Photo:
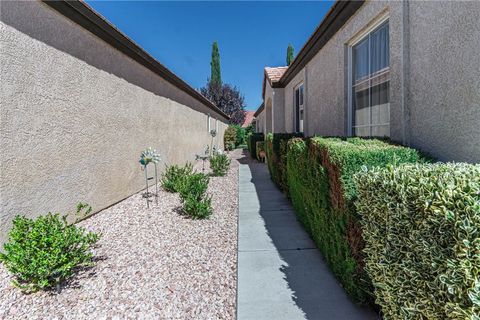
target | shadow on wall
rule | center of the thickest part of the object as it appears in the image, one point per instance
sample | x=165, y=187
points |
x=57, y=31
x=314, y=288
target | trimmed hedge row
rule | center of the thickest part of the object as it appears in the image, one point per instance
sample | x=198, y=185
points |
x=319, y=176
x=421, y=224
x=276, y=150
x=252, y=143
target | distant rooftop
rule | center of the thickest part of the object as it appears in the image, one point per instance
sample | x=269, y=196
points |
x=248, y=118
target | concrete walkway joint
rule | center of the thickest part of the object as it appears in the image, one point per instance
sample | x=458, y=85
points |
x=281, y=274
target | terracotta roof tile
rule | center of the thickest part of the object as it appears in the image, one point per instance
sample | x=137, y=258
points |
x=274, y=74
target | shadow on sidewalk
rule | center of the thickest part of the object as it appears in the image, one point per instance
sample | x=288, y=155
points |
x=313, y=287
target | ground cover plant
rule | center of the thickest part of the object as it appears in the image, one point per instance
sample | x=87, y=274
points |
x=173, y=176
x=320, y=183
x=219, y=163
x=421, y=225
x=43, y=252
x=196, y=203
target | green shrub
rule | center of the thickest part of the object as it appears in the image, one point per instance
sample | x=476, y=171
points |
x=319, y=177
x=421, y=225
x=275, y=148
x=230, y=138
x=195, y=202
x=219, y=163
x=240, y=135
x=173, y=175
x=43, y=252
x=252, y=143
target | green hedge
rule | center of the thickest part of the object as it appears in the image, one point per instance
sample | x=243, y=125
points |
x=252, y=143
x=276, y=150
x=320, y=182
x=421, y=224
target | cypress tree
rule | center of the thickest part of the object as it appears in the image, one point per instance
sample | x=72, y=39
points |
x=215, y=76
x=290, y=53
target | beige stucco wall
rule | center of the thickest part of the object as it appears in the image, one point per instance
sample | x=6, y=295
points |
x=76, y=113
x=290, y=100
x=261, y=121
x=435, y=78
x=444, y=82
x=277, y=97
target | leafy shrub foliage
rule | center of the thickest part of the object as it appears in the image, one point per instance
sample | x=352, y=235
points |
x=252, y=143
x=193, y=190
x=241, y=135
x=227, y=98
x=421, y=225
x=43, y=252
x=173, y=176
x=230, y=138
x=275, y=147
x=319, y=176
x=219, y=163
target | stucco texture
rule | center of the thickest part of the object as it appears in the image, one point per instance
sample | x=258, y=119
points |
x=76, y=113
x=444, y=93
x=434, y=78
x=290, y=100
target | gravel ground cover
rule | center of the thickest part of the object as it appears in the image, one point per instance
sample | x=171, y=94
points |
x=151, y=264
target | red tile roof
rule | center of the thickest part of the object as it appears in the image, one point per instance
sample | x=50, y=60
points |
x=274, y=74
x=248, y=118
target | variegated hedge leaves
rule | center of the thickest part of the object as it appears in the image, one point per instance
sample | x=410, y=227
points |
x=421, y=225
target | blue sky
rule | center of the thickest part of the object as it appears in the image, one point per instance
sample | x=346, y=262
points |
x=250, y=35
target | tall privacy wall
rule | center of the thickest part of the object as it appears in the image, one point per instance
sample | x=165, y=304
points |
x=76, y=112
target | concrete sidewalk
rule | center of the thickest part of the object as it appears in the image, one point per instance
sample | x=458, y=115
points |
x=281, y=275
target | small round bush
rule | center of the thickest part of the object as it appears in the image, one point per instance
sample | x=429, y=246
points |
x=219, y=163
x=193, y=195
x=173, y=176
x=43, y=252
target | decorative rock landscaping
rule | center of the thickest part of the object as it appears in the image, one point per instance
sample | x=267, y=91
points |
x=150, y=263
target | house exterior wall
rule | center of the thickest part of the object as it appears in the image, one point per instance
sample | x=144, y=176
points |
x=289, y=102
x=277, y=97
x=444, y=82
x=434, y=78
x=261, y=122
x=76, y=113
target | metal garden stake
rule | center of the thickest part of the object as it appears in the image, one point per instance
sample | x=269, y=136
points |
x=148, y=156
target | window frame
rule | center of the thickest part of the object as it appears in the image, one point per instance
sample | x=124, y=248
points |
x=378, y=22
x=301, y=106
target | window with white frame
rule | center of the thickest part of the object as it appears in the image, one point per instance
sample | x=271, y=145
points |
x=370, y=68
x=209, y=126
x=299, y=107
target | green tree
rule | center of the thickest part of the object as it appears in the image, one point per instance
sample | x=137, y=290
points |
x=290, y=54
x=215, y=76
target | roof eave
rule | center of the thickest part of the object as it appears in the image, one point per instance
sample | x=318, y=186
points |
x=333, y=21
x=82, y=14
